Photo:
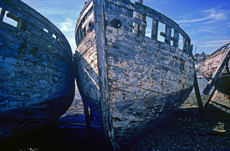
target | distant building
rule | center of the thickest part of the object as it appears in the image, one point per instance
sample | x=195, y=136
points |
x=199, y=59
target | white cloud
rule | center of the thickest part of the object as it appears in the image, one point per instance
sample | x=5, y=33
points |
x=215, y=16
x=215, y=43
x=68, y=25
x=210, y=16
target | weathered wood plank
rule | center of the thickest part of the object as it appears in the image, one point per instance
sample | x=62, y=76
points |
x=217, y=72
x=185, y=45
x=126, y=20
x=112, y=36
x=85, y=10
x=129, y=45
x=29, y=15
x=53, y=46
x=89, y=52
x=12, y=64
x=167, y=34
x=102, y=69
x=154, y=30
x=138, y=29
x=131, y=89
x=151, y=82
x=89, y=45
x=40, y=43
x=90, y=38
x=199, y=101
x=85, y=24
x=36, y=53
x=176, y=39
x=140, y=8
x=2, y=13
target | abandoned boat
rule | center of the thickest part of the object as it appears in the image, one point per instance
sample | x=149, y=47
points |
x=210, y=66
x=36, y=80
x=131, y=82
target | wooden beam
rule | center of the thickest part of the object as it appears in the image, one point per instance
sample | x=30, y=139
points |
x=154, y=30
x=12, y=16
x=185, y=45
x=164, y=35
x=176, y=39
x=143, y=27
x=167, y=34
x=87, y=119
x=137, y=27
x=199, y=101
x=217, y=72
x=150, y=13
x=227, y=67
x=2, y=13
x=99, y=19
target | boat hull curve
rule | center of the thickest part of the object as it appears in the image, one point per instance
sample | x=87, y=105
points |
x=36, y=73
x=130, y=81
x=210, y=65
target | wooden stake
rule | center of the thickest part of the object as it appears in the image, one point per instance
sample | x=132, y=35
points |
x=197, y=91
x=86, y=111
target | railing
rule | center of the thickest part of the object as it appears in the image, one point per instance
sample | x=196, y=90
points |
x=28, y=20
x=222, y=48
x=82, y=29
x=141, y=16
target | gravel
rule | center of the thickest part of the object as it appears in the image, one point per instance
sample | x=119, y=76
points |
x=184, y=130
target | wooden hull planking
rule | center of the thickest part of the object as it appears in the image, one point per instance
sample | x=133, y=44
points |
x=135, y=82
x=209, y=66
x=36, y=79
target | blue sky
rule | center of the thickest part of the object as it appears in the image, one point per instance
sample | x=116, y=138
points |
x=207, y=22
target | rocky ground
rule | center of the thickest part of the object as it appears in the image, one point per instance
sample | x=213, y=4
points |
x=184, y=130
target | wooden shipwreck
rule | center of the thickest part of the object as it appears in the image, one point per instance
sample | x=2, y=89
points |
x=216, y=70
x=36, y=80
x=131, y=82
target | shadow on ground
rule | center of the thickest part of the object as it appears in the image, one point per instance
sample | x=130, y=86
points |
x=184, y=130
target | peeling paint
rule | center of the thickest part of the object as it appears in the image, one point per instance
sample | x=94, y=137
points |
x=147, y=79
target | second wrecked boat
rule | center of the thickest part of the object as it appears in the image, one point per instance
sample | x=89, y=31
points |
x=36, y=78
x=210, y=66
x=130, y=81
